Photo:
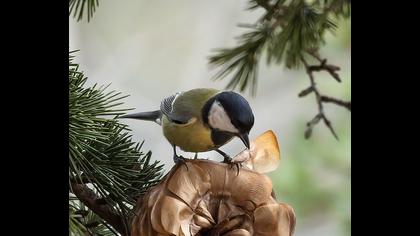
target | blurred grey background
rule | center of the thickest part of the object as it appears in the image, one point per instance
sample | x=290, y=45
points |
x=152, y=49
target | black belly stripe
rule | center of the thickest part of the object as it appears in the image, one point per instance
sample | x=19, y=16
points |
x=220, y=137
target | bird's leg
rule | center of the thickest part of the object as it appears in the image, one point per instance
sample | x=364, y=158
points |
x=227, y=159
x=179, y=159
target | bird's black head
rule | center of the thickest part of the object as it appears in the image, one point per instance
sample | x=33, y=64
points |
x=229, y=112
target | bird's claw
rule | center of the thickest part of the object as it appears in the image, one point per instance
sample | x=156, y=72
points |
x=180, y=159
x=230, y=162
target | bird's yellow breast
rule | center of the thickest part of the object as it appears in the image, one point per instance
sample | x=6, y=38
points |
x=191, y=137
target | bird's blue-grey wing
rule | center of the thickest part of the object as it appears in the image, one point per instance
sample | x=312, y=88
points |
x=167, y=107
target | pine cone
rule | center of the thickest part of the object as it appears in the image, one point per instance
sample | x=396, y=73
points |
x=211, y=198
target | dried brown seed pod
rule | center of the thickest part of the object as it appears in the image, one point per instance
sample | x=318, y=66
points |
x=211, y=199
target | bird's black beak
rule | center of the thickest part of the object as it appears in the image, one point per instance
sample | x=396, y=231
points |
x=245, y=139
x=132, y=116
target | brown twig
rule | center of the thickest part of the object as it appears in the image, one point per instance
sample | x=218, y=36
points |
x=104, y=211
x=332, y=69
x=82, y=179
x=346, y=104
x=321, y=114
x=329, y=68
x=323, y=66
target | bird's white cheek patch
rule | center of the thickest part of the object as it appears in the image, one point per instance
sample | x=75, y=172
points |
x=219, y=119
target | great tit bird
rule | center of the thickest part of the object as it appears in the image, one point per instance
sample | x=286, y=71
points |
x=201, y=120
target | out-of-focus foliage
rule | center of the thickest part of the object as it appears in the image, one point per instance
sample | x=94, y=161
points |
x=314, y=177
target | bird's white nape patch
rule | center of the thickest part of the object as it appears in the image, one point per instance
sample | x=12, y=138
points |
x=173, y=101
x=219, y=119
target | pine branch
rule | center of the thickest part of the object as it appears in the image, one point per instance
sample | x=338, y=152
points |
x=75, y=226
x=262, y=3
x=284, y=32
x=242, y=59
x=78, y=7
x=89, y=222
x=102, y=153
x=89, y=198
